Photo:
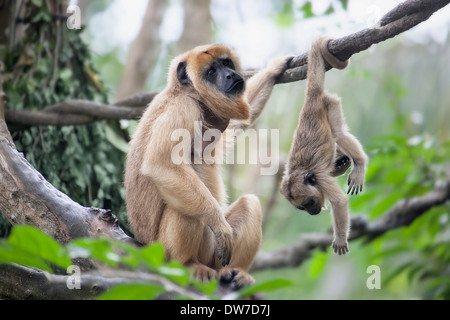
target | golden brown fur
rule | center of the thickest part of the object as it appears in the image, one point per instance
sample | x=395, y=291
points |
x=321, y=132
x=184, y=206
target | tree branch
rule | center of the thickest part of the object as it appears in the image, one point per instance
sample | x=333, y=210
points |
x=27, y=198
x=400, y=215
x=41, y=285
x=400, y=19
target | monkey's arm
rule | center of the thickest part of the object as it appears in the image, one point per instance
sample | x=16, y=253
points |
x=259, y=88
x=339, y=208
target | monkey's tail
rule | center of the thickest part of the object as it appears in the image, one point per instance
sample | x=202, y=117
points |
x=330, y=58
x=316, y=64
x=316, y=68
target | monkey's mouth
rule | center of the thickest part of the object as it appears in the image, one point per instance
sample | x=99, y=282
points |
x=312, y=210
x=236, y=87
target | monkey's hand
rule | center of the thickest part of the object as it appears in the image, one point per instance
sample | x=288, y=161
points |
x=279, y=65
x=224, y=241
x=340, y=245
x=356, y=180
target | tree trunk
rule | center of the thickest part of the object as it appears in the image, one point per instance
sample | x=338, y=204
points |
x=144, y=51
x=197, y=24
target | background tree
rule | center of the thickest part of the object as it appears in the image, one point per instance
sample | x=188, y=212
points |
x=397, y=106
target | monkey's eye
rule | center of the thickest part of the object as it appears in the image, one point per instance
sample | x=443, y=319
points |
x=228, y=63
x=310, y=178
x=211, y=71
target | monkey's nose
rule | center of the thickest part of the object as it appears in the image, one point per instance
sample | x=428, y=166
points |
x=310, y=202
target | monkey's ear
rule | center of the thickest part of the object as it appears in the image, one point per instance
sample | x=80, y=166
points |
x=182, y=75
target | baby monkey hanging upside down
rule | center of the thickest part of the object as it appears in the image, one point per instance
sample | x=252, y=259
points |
x=321, y=135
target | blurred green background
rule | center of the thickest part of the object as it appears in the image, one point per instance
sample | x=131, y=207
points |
x=395, y=97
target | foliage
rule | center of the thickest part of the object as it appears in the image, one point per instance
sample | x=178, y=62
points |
x=414, y=257
x=32, y=248
x=52, y=64
x=419, y=251
x=285, y=16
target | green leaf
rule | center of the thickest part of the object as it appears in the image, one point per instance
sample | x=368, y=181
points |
x=115, y=139
x=176, y=272
x=397, y=272
x=344, y=4
x=286, y=17
x=307, y=10
x=385, y=204
x=207, y=288
x=100, y=249
x=37, y=3
x=42, y=15
x=267, y=286
x=153, y=255
x=9, y=255
x=34, y=245
x=134, y=291
x=318, y=264
x=330, y=10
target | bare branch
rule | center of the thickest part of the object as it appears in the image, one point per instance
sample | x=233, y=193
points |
x=42, y=285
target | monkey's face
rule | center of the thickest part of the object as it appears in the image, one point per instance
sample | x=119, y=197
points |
x=215, y=74
x=302, y=191
x=221, y=74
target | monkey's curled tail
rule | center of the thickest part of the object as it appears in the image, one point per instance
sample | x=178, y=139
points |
x=316, y=66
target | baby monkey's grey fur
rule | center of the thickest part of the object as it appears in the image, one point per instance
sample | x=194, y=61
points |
x=321, y=134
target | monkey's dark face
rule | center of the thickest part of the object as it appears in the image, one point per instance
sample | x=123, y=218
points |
x=211, y=74
x=221, y=73
x=302, y=192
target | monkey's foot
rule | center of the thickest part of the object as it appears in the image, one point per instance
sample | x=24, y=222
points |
x=355, y=181
x=340, y=246
x=234, y=277
x=202, y=272
x=341, y=165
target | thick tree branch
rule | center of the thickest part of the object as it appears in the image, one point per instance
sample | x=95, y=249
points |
x=401, y=214
x=27, y=198
x=400, y=19
x=41, y=285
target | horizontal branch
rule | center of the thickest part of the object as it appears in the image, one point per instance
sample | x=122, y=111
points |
x=74, y=112
x=41, y=285
x=78, y=112
x=400, y=215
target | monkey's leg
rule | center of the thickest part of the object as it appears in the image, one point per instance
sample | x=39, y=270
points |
x=245, y=218
x=348, y=144
x=339, y=209
x=187, y=240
